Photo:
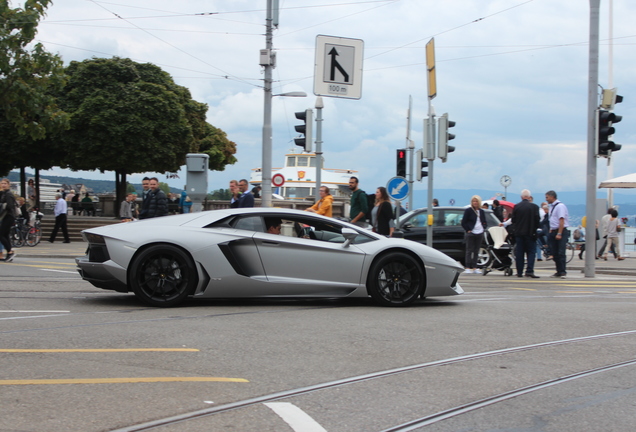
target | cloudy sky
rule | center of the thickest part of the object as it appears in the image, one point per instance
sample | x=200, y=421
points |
x=513, y=75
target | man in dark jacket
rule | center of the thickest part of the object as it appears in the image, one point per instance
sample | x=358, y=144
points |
x=525, y=222
x=157, y=200
x=246, y=199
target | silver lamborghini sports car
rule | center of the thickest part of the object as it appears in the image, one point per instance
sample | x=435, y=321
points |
x=234, y=253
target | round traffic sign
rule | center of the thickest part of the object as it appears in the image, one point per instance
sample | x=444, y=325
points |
x=278, y=180
x=398, y=188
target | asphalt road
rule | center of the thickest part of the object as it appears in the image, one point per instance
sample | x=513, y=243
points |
x=76, y=358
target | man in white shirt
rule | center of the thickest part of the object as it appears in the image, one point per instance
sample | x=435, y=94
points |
x=559, y=234
x=60, y=219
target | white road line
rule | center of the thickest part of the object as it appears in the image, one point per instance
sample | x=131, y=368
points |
x=296, y=418
x=61, y=271
x=34, y=311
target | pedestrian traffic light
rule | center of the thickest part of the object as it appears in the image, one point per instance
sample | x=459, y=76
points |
x=421, y=164
x=604, y=130
x=443, y=149
x=306, y=129
x=400, y=163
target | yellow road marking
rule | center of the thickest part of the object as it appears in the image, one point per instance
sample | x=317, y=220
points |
x=39, y=266
x=120, y=380
x=575, y=292
x=525, y=289
x=97, y=350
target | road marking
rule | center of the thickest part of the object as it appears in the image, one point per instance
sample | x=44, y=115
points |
x=97, y=350
x=120, y=380
x=38, y=266
x=60, y=271
x=34, y=311
x=574, y=292
x=296, y=418
x=524, y=289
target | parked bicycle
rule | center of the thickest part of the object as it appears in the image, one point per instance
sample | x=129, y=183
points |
x=570, y=247
x=21, y=233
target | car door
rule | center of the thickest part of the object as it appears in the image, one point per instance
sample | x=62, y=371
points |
x=308, y=264
x=448, y=234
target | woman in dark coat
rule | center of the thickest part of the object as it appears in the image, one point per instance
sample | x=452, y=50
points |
x=382, y=213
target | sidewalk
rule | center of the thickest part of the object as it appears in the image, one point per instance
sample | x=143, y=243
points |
x=74, y=249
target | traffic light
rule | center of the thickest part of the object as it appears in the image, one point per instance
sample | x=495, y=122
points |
x=400, y=163
x=306, y=129
x=604, y=131
x=420, y=165
x=443, y=149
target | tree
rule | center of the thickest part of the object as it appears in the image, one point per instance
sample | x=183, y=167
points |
x=26, y=76
x=129, y=117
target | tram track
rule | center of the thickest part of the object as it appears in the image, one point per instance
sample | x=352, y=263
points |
x=424, y=420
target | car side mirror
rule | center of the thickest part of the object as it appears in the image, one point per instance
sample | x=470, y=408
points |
x=349, y=234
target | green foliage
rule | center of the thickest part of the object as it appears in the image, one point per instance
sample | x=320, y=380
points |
x=130, y=188
x=27, y=75
x=164, y=187
x=220, y=194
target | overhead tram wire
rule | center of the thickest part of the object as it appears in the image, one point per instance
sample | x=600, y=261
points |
x=215, y=76
x=175, y=47
x=451, y=29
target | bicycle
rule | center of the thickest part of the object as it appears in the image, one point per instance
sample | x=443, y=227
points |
x=570, y=247
x=21, y=233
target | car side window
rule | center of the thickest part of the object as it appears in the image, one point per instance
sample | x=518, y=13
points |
x=249, y=223
x=453, y=218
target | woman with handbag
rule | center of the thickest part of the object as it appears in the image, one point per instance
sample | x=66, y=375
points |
x=7, y=216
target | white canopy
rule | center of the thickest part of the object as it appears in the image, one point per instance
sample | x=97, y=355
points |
x=626, y=181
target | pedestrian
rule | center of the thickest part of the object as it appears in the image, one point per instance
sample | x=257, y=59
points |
x=145, y=190
x=324, y=206
x=497, y=210
x=435, y=202
x=525, y=222
x=126, y=208
x=246, y=199
x=542, y=235
x=474, y=224
x=359, y=203
x=235, y=193
x=31, y=194
x=559, y=234
x=157, y=200
x=604, y=220
x=7, y=218
x=382, y=213
x=611, y=233
x=60, y=218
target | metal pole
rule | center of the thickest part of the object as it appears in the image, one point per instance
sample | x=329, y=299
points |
x=410, y=151
x=266, y=173
x=430, y=155
x=319, y=107
x=610, y=84
x=592, y=103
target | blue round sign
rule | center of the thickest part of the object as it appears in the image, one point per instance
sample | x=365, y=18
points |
x=398, y=188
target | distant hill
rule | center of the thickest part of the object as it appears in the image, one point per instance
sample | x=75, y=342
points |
x=98, y=186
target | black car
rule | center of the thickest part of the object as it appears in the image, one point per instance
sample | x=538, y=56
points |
x=448, y=234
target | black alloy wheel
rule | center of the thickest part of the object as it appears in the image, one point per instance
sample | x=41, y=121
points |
x=396, y=279
x=163, y=275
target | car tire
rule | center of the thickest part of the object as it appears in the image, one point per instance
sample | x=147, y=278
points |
x=396, y=279
x=163, y=276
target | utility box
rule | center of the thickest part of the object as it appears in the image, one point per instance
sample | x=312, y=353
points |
x=197, y=178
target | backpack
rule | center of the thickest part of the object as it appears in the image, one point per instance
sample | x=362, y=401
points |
x=370, y=205
x=576, y=234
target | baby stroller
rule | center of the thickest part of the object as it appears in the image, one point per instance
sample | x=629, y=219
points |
x=499, y=250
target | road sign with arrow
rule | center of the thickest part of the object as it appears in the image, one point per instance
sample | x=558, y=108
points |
x=338, y=67
x=398, y=188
